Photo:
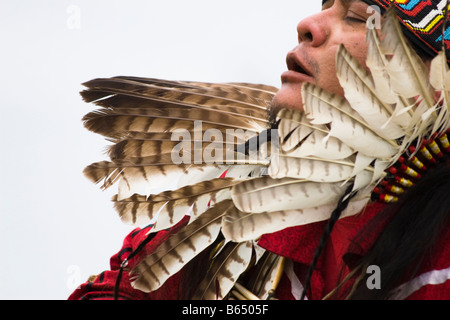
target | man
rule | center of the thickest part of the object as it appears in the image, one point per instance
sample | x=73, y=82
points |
x=369, y=244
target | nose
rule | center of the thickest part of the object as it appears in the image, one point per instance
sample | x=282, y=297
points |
x=313, y=30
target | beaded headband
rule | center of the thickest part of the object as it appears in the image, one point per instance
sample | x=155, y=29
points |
x=422, y=22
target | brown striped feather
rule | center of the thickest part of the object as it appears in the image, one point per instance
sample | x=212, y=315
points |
x=194, y=92
x=164, y=172
x=263, y=277
x=241, y=226
x=118, y=94
x=116, y=122
x=172, y=206
x=314, y=168
x=265, y=194
x=179, y=249
x=225, y=270
x=298, y=137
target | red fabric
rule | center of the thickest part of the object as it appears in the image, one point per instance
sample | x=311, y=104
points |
x=299, y=244
x=102, y=287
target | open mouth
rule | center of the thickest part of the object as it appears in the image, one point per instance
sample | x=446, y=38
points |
x=294, y=65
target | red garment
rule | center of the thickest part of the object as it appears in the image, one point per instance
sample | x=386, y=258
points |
x=102, y=287
x=297, y=244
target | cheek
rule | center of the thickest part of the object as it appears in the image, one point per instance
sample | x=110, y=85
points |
x=327, y=77
x=358, y=49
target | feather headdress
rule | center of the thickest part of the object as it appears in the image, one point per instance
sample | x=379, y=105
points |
x=235, y=177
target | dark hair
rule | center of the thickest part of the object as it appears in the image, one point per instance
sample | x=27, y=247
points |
x=414, y=225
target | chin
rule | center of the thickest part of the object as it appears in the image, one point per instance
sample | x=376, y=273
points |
x=288, y=97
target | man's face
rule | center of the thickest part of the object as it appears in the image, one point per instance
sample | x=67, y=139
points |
x=313, y=59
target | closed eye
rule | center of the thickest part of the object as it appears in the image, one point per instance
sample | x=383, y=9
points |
x=355, y=19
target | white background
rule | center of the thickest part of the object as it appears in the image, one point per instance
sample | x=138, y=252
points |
x=57, y=228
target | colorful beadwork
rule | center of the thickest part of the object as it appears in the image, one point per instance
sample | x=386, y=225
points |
x=410, y=168
x=423, y=22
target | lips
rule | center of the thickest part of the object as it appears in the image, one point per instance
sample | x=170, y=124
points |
x=297, y=70
x=294, y=64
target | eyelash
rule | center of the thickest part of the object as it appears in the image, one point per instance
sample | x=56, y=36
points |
x=354, y=19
